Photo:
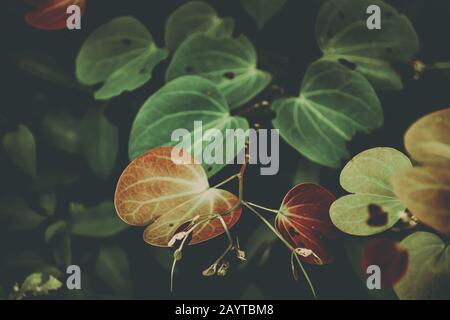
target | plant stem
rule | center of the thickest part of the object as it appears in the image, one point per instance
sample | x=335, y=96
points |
x=261, y=207
x=234, y=176
x=227, y=231
x=439, y=65
x=287, y=244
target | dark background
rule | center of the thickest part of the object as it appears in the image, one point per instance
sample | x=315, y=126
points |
x=285, y=46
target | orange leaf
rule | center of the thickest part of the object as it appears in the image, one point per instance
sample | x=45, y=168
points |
x=164, y=195
x=52, y=14
x=304, y=221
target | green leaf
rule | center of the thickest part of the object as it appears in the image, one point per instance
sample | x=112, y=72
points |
x=306, y=171
x=100, y=221
x=252, y=292
x=58, y=237
x=177, y=105
x=27, y=262
x=38, y=284
x=46, y=68
x=342, y=34
x=428, y=273
x=195, y=16
x=262, y=10
x=15, y=214
x=61, y=130
x=47, y=201
x=121, y=54
x=20, y=147
x=99, y=142
x=368, y=175
x=259, y=245
x=231, y=63
x=54, y=177
x=112, y=267
x=333, y=105
x=426, y=193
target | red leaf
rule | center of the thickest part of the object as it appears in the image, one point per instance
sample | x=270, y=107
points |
x=389, y=256
x=165, y=195
x=304, y=221
x=52, y=14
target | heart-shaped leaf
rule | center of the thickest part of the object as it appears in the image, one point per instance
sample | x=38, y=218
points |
x=178, y=105
x=334, y=103
x=262, y=10
x=428, y=140
x=20, y=147
x=166, y=188
x=121, y=54
x=231, y=63
x=304, y=221
x=368, y=175
x=99, y=142
x=389, y=256
x=343, y=35
x=428, y=273
x=52, y=14
x=426, y=193
x=195, y=16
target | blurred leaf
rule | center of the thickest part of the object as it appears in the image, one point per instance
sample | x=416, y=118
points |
x=177, y=105
x=28, y=262
x=428, y=139
x=38, y=284
x=165, y=191
x=257, y=245
x=333, y=105
x=252, y=292
x=368, y=175
x=163, y=257
x=426, y=193
x=20, y=147
x=54, y=177
x=58, y=237
x=100, y=221
x=195, y=16
x=45, y=67
x=99, y=142
x=15, y=214
x=113, y=268
x=47, y=201
x=342, y=34
x=231, y=63
x=121, y=54
x=262, y=10
x=354, y=247
x=389, y=256
x=61, y=130
x=307, y=171
x=428, y=274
